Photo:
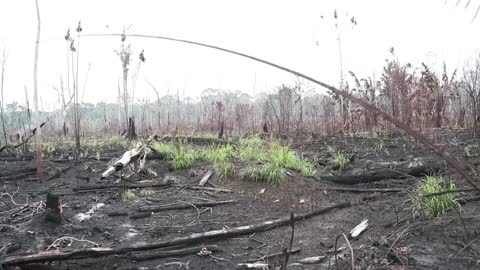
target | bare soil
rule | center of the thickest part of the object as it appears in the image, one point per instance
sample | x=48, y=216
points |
x=393, y=240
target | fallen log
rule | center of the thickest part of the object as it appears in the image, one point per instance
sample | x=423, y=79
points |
x=224, y=233
x=214, y=189
x=157, y=184
x=365, y=190
x=171, y=253
x=378, y=175
x=205, y=178
x=181, y=205
x=127, y=158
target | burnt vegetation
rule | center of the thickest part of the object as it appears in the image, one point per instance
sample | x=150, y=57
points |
x=291, y=178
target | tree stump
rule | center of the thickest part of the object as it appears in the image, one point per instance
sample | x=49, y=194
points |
x=53, y=211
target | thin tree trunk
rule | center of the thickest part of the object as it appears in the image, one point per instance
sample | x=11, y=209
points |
x=38, y=138
x=4, y=59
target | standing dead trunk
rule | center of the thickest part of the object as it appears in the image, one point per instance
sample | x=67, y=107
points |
x=131, y=133
x=38, y=138
x=2, y=105
x=53, y=208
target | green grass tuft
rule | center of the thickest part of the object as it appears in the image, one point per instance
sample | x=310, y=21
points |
x=340, y=160
x=251, y=149
x=165, y=148
x=128, y=196
x=269, y=173
x=224, y=169
x=436, y=205
x=183, y=157
x=219, y=154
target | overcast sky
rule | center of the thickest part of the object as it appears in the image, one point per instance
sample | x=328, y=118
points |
x=290, y=33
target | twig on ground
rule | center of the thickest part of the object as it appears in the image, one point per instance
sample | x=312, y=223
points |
x=352, y=254
x=71, y=239
x=198, y=213
x=466, y=246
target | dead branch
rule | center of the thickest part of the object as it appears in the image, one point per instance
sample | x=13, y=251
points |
x=128, y=157
x=182, y=205
x=210, y=189
x=59, y=172
x=145, y=184
x=171, y=253
x=189, y=239
x=352, y=255
x=362, y=190
x=24, y=141
x=273, y=255
x=379, y=175
x=205, y=178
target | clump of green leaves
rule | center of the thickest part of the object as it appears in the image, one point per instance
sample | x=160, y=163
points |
x=219, y=154
x=128, y=196
x=270, y=172
x=224, y=169
x=251, y=149
x=220, y=158
x=165, y=148
x=278, y=159
x=435, y=205
x=183, y=157
x=340, y=160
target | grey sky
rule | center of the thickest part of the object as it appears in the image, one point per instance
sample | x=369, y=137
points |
x=285, y=32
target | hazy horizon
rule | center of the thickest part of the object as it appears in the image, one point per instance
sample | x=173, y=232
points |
x=285, y=32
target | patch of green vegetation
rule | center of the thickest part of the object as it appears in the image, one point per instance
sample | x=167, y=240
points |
x=279, y=158
x=220, y=158
x=271, y=173
x=436, y=205
x=251, y=149
x=128, y=196
x=224, y=169
x=219, y=154
x=165, y=148
x=183, y=157
x=340, y=160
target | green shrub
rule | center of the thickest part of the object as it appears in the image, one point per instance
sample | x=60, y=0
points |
x=340, y=160
x=183, y=157
x=224, y=169
x=269, y=173
x=219, y=154
x=128, y=196
x=252, y=149
x=436, y=205
x=283, y=156
x=165, y=148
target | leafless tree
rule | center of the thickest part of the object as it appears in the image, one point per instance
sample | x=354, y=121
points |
x=471, y=85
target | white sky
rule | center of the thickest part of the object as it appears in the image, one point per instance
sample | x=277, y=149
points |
x=284, y=32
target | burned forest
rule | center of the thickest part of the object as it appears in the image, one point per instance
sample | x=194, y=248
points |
x=253, y=135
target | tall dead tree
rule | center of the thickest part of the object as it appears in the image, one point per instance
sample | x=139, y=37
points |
x=38, y=136
x=471, y=85
x=2, y=101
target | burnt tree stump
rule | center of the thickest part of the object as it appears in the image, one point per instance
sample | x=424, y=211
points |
x=53, y=208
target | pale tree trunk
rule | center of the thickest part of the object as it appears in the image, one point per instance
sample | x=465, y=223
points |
x=4, y=59
x=38, y=137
